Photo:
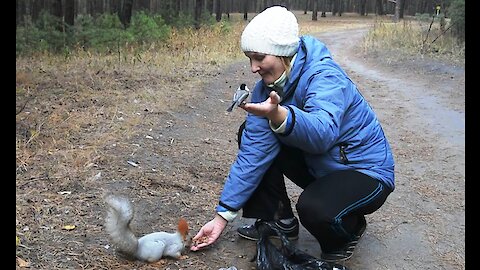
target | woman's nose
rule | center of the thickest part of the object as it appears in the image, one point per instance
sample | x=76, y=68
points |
x=254, y=67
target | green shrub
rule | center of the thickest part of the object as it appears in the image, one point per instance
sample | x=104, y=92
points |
x=108, y=32
x=225, y=26
x=45, y=35
x=148, y=29
x=183, y=20
x=207, y=19
x=30, y=39
x=424, y=17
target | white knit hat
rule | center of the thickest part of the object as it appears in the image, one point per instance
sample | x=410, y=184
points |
x=274, y=31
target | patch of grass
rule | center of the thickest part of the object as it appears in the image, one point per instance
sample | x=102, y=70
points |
x=415, y=37
x=70, y=108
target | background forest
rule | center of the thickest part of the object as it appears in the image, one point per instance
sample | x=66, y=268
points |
x=63, y=25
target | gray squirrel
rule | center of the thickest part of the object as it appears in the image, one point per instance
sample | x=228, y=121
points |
x=150, y=247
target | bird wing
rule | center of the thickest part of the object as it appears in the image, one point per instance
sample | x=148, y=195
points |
x=240, y=95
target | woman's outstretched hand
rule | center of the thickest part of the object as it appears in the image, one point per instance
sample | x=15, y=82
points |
x=268, y=108
x=209, y=233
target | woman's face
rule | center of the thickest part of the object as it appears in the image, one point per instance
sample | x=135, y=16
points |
x=268, y=66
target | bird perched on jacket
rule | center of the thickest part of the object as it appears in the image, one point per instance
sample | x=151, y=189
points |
x=150, y=247
x=241, y=94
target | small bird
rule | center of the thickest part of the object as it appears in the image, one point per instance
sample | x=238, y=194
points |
x=239, y=97
x=150, y=247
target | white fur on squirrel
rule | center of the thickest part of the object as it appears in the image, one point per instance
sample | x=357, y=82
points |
x=150, y=247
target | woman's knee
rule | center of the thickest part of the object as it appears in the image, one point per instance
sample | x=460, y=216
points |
x=309, y=208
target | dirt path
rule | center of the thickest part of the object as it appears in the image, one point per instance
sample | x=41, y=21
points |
x=422, y=108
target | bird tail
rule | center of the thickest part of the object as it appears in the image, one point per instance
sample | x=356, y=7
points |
x=230, y=108
x=117, y=224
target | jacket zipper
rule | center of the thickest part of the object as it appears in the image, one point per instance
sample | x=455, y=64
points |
x=343, y=155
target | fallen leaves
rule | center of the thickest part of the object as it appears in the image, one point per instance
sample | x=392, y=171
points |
x=69, y=227
x=22, y=263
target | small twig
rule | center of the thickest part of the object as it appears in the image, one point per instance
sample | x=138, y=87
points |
x=39, y=178
x=23, y=106
x=442, y=33
x=114, y=115
x=118, y=51
x=22, y=164
x=35, y=134
x=188, y=206
x=426, y=37
x=23, y=246
x=27, y=182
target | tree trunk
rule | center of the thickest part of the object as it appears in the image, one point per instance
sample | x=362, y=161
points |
x=245, y=9
x=363, y=7
x=81, y=7
x=69, y=12
x=315, y=10
x=334, y=7
x=397, y=10
x=379, y=8
x=228, y=8
x=57, y=12
x=210, y=7
x=19, y=11
x=125, y=13
x=176, y=8
x=402, y=8
x=218, y=11
x=198, y=13
x=34, y=10
x=323, y=8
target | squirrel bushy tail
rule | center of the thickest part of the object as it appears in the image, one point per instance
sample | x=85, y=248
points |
x=182, y=228
x=117, y=224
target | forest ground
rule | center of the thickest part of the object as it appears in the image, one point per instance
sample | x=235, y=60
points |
x=182, y=157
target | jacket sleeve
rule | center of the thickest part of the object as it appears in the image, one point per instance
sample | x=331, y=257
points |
x=259, y=146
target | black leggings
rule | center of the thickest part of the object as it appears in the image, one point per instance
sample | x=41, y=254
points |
x=331, y=208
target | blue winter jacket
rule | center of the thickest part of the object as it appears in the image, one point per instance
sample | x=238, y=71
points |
x=326, y=112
